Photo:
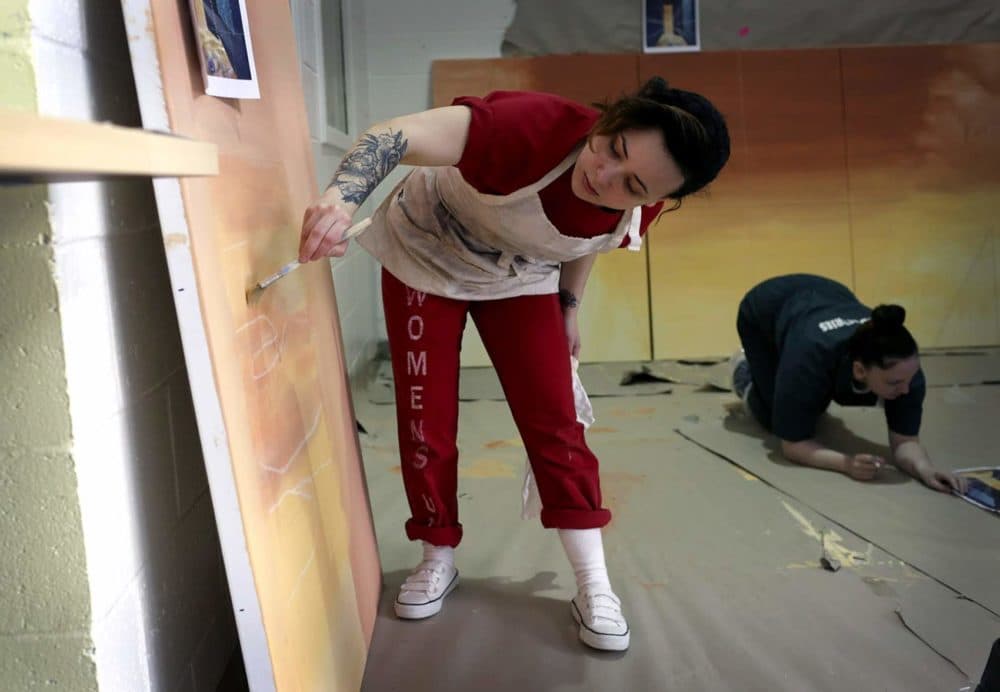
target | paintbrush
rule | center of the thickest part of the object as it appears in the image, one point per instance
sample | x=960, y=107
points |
x=254, y=291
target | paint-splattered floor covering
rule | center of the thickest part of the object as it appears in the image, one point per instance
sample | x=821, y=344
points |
x=715, y=551
x=943, y=368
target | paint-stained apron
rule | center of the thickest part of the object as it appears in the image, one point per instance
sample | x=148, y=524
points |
x=438, y=234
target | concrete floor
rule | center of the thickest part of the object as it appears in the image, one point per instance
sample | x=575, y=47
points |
x=718, y=566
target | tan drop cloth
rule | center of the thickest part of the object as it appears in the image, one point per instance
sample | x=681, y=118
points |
x=718, y=570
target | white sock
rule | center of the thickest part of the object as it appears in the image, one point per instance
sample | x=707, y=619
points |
x=439, y=553
x=585, y=551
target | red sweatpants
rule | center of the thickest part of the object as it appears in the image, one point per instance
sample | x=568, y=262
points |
x=526, y=340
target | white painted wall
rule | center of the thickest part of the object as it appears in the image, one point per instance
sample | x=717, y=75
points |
x=160, y=613
x=355, y=274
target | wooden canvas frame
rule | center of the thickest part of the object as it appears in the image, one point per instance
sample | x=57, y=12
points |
x=279, y=440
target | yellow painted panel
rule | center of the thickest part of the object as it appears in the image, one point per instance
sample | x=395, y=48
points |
x=779, y=206
x=704, y=258
x=614, y=322
x=934, y=254
x=924, y=162
x=880, y=163
x=614, y=313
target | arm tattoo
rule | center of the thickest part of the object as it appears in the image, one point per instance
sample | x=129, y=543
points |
x=367, y=164
x=567, y=299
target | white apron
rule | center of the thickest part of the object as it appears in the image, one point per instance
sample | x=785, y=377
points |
x=438, y=234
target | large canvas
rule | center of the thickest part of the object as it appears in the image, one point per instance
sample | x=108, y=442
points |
x=268, y=377
x=877, y=167
x=924, y=164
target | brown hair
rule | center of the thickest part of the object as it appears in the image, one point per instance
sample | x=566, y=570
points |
x=694, y=131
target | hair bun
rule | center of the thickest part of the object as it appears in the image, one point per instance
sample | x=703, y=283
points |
x=888, y=316
x=656, y=89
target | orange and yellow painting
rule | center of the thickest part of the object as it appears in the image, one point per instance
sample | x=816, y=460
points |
x=877, y=167
x=277, y=361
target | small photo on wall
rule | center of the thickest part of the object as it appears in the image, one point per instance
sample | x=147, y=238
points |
x=670, y=26
x=224, y=48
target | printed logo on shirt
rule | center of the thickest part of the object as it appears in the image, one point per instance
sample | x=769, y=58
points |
x=840, y=322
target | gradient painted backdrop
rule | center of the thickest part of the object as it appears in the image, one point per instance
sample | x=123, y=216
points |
x=878, y=167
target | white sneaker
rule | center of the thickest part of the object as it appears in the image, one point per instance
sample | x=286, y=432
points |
x=423, y=592
x=599, y=613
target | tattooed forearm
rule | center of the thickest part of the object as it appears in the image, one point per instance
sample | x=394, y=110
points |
x=567, y=299
x=367, y=164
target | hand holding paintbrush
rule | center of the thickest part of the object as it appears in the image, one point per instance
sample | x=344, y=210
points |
x=325, y=225
x=254, y=291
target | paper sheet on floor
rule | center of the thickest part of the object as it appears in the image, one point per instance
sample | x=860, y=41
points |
x=937, y=534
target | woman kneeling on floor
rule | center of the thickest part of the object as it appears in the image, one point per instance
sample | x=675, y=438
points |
x=807, y=341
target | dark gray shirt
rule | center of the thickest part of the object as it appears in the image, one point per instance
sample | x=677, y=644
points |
x=812, y=319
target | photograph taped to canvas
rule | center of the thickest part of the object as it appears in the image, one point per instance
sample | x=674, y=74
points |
x=982, y=487
x=224, y=48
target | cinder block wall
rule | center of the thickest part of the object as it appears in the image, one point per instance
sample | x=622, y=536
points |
x=111, y=576
x=45, y=615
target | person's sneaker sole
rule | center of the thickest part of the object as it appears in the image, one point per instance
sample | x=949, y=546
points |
x=410, y=611
x=596, y=640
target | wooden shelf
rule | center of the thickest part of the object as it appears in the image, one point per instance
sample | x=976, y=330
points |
x=38, y=149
